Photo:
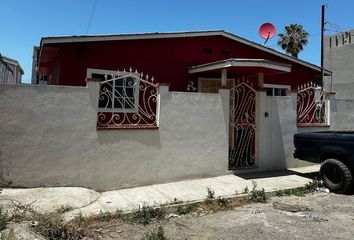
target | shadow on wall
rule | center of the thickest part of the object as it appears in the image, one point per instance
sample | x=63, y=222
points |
x=149, y=137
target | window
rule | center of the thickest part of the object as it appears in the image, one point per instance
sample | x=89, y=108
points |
x=118, y=93
x=207, y=50
x=225, y=53
x=275, y=90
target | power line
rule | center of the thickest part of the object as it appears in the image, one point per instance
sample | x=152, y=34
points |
x=91, y=15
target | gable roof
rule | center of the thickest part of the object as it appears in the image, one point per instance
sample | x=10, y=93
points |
x=11, y=61
x=157, y=35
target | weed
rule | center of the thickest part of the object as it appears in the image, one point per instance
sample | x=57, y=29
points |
x=211, y=193
x=258, y=195
x=223, y=202
x=313, y=185
x=288, y=192
x=64, y=209
x=182, y=210
x=246, y=190
x=158, y=234
x=176, y=201
x=145, y=215
x=4, y=218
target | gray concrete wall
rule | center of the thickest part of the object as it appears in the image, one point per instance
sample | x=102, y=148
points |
x=342, y=114
x=338, y=57
x=48, y=137
x=276, y=131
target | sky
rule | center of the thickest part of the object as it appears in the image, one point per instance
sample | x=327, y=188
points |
x=24, y=22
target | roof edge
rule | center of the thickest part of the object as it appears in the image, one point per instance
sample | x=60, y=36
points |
x=157, y=35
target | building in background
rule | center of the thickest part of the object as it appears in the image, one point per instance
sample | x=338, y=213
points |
x=10, y=70
x=338, y=58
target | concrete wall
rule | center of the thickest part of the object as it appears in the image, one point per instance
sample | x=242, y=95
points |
x=338, y=57
x=49, y=138
x=276, y=126
x=342, y=114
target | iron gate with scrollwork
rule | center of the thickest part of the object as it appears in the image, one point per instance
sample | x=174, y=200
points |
x=242, y=126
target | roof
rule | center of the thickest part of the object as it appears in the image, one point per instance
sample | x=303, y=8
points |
x=12, y=62
x=241, y=62
x=157, y=35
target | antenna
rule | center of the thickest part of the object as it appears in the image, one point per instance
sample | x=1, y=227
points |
x=266, y=31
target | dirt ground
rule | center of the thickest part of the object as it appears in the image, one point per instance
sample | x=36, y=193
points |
x=318, y=216
x=313, y=216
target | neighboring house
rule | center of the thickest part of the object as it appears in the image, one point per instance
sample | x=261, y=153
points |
x=10, y=70
x=338, y=57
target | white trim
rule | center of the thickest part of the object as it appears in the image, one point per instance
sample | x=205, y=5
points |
x=72, y=39
x=240, y=62
x=276, y=86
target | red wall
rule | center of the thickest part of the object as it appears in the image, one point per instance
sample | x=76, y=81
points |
x=167, y=60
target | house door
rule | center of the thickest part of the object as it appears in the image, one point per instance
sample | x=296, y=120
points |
x=242, y=126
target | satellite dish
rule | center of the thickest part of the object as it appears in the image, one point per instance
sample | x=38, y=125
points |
x=267, y=31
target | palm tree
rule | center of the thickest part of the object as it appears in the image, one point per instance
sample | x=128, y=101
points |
x=293, y=40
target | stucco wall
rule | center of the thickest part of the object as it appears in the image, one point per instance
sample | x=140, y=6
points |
x=49, y=138
x=276, y=128
x=342, y=114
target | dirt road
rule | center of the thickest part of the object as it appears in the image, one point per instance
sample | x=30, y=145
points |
x=315, y=216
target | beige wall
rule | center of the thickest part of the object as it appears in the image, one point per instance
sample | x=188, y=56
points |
x=48, y=137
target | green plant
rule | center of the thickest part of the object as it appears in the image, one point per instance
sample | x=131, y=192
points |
x=182, y=210
x=145, y=215
x=157, y=234
x=258, y=195
x=223, y=202
x=211, y=193
x=313, y=185
x=301, y=191
x=246, y=190
x=4, y=218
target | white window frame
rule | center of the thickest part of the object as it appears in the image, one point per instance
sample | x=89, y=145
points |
x=91, y=71
x=274, y=86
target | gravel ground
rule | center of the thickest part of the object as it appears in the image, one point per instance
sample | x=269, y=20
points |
x=315, y=216
x=321, y=216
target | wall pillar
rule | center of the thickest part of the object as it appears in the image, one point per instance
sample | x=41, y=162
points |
x=260, y=80
x=223, y=77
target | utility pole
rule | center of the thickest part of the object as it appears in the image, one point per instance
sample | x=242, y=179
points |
x=322, y=33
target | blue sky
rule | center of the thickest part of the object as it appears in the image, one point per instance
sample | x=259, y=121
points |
x=24, y=22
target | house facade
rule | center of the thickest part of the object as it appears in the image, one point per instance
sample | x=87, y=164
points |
x=128, y=67
x=129, y=110
x=10, y=70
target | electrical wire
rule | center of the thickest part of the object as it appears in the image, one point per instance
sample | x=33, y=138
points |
x=91, y=15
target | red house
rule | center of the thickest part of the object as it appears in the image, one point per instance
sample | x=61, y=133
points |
x=173, y=58
x=203, y=61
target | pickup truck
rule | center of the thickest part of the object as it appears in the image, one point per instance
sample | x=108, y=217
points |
x=335, y=151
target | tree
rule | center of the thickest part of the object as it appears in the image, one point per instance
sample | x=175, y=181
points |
x=293, y=40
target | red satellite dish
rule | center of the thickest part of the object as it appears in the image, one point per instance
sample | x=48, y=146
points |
x=267, y=31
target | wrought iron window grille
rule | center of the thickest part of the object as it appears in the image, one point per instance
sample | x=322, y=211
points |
x=127, y=100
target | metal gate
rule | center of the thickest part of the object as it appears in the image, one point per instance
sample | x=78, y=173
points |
x=242, y=126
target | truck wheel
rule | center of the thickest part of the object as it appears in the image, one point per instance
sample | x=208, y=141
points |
x=336, y=176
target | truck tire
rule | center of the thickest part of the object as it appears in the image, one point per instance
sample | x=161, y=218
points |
x=336, y=176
